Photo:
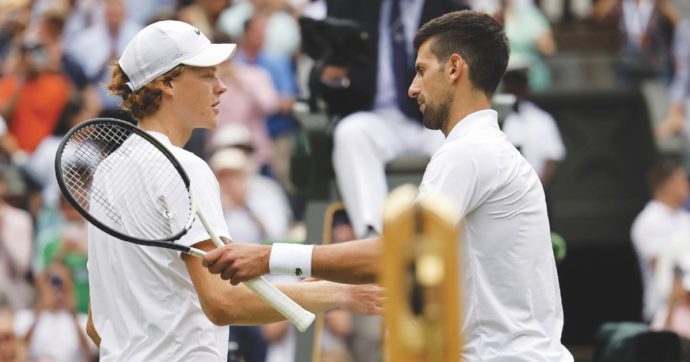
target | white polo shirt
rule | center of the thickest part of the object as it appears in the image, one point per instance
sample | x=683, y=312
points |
x=655, y=228
x=535, y=133
x=509, y=284
x=143, y=303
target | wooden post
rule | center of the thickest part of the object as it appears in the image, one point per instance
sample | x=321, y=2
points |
x=420, y=274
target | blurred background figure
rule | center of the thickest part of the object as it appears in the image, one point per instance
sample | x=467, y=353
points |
x=281, y=124
x=62, y=238
x=255, y=207
x=338, y=324
x=662, y=221
x=675, y=314
x=203, y=14
x=256, y=211
x=16, y=238
x=531, y=40
x=54, y=330
x=14, y=20
x=676, y=115
x=646, y=31
x=11, y=349
x=32, y=96
x=40, y=167
x=533, y=131
x=250, y=99
x=97, y=46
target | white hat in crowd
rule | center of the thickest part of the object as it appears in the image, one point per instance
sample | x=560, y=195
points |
x=166, y=44
x=232, y=135
x=230, y=159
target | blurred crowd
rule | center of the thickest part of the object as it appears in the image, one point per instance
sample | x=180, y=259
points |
x=55, y=56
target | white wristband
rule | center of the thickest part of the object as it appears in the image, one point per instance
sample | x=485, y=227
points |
x=290, y=259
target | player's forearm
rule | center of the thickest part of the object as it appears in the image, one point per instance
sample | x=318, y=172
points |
x=238, y=305
x=351, y=262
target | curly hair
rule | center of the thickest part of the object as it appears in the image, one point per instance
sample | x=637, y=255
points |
x=146, y=100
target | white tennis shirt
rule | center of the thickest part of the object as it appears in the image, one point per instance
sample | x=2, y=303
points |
x=143, y=303
x=511, y=297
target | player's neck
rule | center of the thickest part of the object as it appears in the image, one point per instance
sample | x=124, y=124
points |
x=465, y=104
x=178, y=134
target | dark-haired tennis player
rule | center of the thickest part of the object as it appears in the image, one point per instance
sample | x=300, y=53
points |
x=154, y=304
x=510, y=290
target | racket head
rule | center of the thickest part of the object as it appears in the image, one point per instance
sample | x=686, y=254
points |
x=98, y=155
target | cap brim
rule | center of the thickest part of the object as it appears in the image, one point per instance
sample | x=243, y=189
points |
x=212, y=55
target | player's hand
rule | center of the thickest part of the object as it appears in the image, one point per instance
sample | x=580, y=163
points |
x=365, y=299
x=238, y=262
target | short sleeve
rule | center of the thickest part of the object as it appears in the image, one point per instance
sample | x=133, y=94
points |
x=206, y=193
x=458, y=178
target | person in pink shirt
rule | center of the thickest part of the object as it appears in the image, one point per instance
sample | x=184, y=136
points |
x=250, y=98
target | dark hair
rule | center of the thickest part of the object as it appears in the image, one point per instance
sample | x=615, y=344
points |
x=662, y=170
x=476, y=37
x=147, y=99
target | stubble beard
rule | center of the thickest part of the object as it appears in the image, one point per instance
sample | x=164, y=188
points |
x=435, y=117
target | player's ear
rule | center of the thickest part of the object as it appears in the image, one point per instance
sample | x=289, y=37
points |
x=455, y=66
x=166, y=86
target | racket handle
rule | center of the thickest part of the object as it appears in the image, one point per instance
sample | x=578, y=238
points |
x=297, y=315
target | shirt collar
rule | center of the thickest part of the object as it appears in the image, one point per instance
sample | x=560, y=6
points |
x=160, y=137
x=486, y=118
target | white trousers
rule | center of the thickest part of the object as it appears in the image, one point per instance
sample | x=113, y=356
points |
x=363, y=143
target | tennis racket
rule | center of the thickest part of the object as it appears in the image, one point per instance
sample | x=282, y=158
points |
x=126, y=183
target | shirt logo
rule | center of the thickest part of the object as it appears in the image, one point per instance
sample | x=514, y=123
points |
x=197, y=31
x=298, y=272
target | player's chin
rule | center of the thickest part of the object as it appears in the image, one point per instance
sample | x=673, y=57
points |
x=210, y=121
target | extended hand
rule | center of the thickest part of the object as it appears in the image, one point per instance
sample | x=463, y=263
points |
x=238, y=262
x=366, y=299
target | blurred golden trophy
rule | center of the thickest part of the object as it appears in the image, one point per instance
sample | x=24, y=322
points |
x=420, y=273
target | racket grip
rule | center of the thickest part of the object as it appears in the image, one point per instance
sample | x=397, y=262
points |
x=297, y=315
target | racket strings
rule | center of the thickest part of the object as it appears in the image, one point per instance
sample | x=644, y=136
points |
x=125, y=182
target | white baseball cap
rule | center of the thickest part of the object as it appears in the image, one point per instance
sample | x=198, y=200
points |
x=232, y=135
x=163, y=45
x=229, y=159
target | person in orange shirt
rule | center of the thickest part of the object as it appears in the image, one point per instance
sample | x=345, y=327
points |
x=32, y=97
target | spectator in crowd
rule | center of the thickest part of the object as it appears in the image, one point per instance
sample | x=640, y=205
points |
x=381, y=122
x=340, y=325
x=250, y=99
x=674, y=122
x=50, y=29
x=256, y=211
x=661, y=221
x=203, y=14
x=646, y=29
x=54, y=330
x=281, y=124
x=531, y=39
x=14, y=20
x=16, y=236
x=566, y=10
x=97, y=46
x=282, y=30
x=533, y=131
x=11, y=350
x=40, y=167
x=32, y=97
x=675, y=314
x=62, y=238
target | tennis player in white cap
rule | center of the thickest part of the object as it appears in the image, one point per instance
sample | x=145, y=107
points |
x=154, y=304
